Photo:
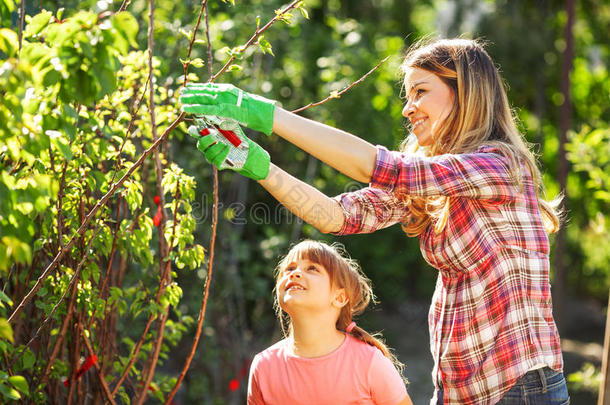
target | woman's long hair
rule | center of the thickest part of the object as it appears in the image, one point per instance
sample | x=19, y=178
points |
x=480, y=115
x=343, y=272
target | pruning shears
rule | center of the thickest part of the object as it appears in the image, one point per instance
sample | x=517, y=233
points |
x=227, y=131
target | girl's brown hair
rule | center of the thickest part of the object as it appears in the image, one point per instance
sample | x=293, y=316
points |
x=481, y=115
x=344, y=272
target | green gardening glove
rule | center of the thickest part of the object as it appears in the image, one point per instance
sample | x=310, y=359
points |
x=226, y=100
x=224, y=145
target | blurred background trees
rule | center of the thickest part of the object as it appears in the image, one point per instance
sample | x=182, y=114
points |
x=75, y=108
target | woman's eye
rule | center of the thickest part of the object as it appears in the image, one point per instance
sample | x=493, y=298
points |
x=419, y=92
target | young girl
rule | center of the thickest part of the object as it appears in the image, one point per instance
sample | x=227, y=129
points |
x=468, y=186
x=325, y=358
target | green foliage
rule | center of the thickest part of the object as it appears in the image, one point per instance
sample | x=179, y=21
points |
x=70, y=101
x=589, y=151
x=74, y=117
x=6, y=9
x=588, y=378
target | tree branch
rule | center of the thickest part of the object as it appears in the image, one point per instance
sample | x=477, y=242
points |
x=204, y=302
x=204, y=5
x=98, y=368
x=338, y=94
x=255, y=36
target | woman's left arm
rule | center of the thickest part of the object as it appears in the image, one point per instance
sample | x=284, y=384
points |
x=341, y=150
x=303, y=200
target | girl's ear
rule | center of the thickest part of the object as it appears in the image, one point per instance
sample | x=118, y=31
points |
x=340, y=299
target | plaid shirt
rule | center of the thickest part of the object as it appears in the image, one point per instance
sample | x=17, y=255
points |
x=490, y=319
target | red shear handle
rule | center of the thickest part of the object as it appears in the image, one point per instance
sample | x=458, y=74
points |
x=229, y=135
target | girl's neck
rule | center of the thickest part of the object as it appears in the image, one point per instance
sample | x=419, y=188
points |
x=312, y=338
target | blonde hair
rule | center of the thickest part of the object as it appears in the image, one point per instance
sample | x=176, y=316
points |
x=344, y=272
x=480, y=115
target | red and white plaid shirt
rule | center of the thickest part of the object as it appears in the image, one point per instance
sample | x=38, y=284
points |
x=491, y=314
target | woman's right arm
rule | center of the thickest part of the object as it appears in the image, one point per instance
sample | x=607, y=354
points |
x=347, y=153
x=303, y=200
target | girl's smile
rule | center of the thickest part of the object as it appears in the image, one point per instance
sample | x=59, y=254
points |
x=292, y=286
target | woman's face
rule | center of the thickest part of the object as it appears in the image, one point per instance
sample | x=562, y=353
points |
x=429, y=101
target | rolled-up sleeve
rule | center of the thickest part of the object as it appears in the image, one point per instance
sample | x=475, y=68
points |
x=370, y=209
x=484, y=174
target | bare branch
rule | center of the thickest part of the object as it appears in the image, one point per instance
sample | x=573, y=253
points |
x=204, y=5
x=204, y=302
x=21, y=21
x=255, y=36
x=338, y=94
x=124, y=5
x=60, y=337
x=98, y=368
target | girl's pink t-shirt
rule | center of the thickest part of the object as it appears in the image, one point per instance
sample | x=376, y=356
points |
x=355, y=373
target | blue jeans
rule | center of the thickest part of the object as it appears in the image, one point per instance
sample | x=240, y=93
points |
x=538, y=387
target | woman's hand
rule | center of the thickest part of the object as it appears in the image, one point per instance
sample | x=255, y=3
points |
x=229, y=148
x=226, y=100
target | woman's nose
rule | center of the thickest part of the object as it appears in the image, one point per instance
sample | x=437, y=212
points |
x=408, y=110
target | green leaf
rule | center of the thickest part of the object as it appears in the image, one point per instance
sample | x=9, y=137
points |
x=265, y=46
x=63, y=147
x=301, y=6
x=127, y=25
x=9, y=41
x=124, y=397
x=38, y=23
x=6, y=8
x=8, y=392
x=197, y=62
x=133, y=194
x=5, y=298
x=285, y=17
x=20, y=383
x=28, y=359
x=188, y=35
x=20, y=251
x=6, y=331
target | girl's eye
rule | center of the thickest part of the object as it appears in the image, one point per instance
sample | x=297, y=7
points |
x=419, y=92
x=288, y=269
x=313, y=268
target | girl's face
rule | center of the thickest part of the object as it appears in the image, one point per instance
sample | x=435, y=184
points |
x=429, y=101
x=306, y=285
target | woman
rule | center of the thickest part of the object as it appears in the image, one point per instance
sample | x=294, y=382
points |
x=467, y=185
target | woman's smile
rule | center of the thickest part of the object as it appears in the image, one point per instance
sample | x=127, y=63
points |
x=416, y=124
